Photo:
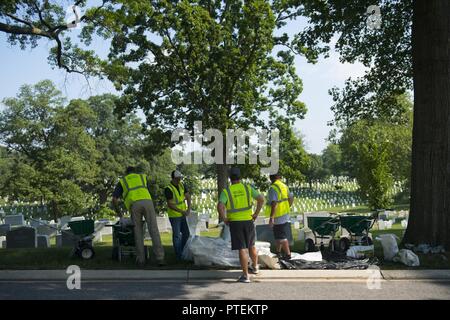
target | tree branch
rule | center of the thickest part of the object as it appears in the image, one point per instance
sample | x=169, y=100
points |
x=47, y=32
x=289, y=47
x=33, y=31
x=41, y=18
x=28, y=23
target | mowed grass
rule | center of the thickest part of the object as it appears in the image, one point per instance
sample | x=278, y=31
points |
x=60, y=258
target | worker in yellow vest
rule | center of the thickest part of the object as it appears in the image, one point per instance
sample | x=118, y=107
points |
x=133, y=188
x=278, y=208
x=235, y=210
x=178, y=208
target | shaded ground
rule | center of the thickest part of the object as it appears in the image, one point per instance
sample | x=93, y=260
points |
x=165, y=290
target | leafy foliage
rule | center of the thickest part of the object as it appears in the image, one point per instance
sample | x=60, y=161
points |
x=377, y=153
x=386, y=52
x=50, y=146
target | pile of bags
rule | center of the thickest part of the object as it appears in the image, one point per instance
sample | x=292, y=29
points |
x=392, y=253
x=209, y=251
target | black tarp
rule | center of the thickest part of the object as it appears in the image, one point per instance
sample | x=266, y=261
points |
x=332, y=261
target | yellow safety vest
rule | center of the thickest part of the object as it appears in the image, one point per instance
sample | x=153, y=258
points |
x=134, y=189
x=283, y=206
x=178, y=198
x=239, y=202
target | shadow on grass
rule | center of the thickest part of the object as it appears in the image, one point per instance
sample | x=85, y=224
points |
x=60, y=258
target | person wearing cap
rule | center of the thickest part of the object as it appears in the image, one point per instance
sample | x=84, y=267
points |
x=278, y=207
x=178, y=207
x=236, y=201
x=134, y=189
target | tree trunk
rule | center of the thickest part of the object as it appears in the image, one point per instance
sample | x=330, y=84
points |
x=54, y=209
x=430, y=177
x=222, y=179
x=103, y=196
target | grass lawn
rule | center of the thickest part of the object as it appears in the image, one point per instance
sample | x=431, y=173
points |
x=59, y=258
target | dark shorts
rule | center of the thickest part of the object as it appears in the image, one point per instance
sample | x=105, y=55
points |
x=243, y=234
x=281, y=231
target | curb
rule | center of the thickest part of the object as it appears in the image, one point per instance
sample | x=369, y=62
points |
x=196, y=275
x=183, y=275
x=416, y=274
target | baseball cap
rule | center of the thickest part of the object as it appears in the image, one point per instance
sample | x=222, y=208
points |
x=177, y=174
x=235, y=172
x=275, y=175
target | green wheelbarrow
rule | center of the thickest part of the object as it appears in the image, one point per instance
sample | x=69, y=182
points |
x=358, y=227
x=323, y=232
x=83, y=232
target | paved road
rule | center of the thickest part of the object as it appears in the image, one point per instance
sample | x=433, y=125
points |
x=328, y=289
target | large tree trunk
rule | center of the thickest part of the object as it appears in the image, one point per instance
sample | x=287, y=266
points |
x=430, y=180
x=54, y=209
x=103, y=196
x=222, y=178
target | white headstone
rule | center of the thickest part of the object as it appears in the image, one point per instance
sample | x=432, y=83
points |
x=64, y=220
x=404, y=224
x=77, y=219
x=47, y=230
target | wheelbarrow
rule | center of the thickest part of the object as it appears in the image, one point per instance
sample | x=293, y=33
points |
x=323, y=230
x=358, y=227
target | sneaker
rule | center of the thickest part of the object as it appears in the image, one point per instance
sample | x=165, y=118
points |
x=254, y=270
x=243, y=279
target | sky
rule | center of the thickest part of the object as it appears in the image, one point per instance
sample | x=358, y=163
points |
x=19, y=67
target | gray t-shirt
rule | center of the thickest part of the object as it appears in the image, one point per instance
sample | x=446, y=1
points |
x=272, y=196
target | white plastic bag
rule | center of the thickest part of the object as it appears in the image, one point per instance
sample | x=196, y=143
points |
x=308, y=256
x=213, y=251
x=225, y=232
x=269, y=261
x=192, y=222
x=389, y=244
x=358, y=252
x=407, y=257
